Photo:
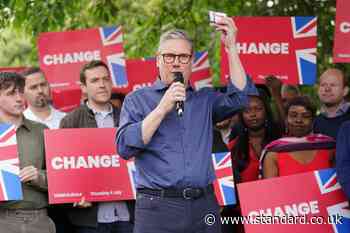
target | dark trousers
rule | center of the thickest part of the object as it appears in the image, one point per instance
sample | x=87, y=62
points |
x=116, y=227
x=176, y=215
x=59, y=216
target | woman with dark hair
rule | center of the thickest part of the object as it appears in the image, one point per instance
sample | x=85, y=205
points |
x=301, y=151
x=259, y=129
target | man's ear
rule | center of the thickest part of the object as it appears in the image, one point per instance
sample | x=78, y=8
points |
x=158, y=57
x=345, y=91
x=83, y=87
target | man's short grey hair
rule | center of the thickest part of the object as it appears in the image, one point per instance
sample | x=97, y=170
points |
x=290, y=88
x=175, y=34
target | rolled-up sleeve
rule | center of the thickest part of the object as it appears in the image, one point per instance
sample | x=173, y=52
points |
x=343, y=158
x=129, y=136
x=227, y=104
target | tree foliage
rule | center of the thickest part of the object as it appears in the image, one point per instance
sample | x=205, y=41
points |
x=144, y=20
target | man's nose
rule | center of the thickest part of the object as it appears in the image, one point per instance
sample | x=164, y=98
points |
x=102, y=84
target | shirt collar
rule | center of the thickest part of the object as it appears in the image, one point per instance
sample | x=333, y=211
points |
x=49, y=118
x=158, y=85
x=110, y=110
x=25, y=124
x=342, y=109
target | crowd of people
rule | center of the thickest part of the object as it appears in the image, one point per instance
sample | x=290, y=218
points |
x=174, y=173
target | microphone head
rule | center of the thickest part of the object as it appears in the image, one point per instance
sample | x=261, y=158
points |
x=178, y=77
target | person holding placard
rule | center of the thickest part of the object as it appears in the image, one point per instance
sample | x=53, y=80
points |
x=30, y=214
x=98, y=112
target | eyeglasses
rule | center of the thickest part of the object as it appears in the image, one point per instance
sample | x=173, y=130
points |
x=183, y=58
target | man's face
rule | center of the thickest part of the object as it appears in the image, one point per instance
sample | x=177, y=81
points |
x=98, y=85
x=37, y=90
x=12, y=102
x=299, y=121
x=182, y=62
x=331, y=90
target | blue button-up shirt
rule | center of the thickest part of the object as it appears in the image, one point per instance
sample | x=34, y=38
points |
x=179, y=153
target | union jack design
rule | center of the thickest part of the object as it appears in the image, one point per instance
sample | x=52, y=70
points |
x=201, y=72
x=200, y=61
x=111, y=35
x=329, y=187
x=112, y=41
x=224, y=184
x=10, y=183
x=327, y=181
x=116, y=65
x=7, y=135
x=305, y=27
x=342, y=209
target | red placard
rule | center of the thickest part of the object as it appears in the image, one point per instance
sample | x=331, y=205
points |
x=62, y=54
x=84, y=163
x=341, y=50
x=66, y=99
x=280, y=46
x=315, y=195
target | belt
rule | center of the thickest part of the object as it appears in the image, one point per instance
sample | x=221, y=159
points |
x=186, y=193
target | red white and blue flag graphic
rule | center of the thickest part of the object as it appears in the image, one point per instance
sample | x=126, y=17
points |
x=111, y=35
x=62, y=54
x=328, y=184
x=313, y=201
x=280, y=46
x=201, y=71
x=224, y=184
x=10, y=183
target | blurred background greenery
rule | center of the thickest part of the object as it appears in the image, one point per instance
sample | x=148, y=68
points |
x=21, y=21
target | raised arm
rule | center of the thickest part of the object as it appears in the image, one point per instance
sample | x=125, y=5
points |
x=229, y=33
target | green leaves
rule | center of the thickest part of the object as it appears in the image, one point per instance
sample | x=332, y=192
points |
x=144, y=20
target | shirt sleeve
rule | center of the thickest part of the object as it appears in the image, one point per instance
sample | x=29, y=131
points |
x=229, y=103
x=343, y=158
x=129, y=136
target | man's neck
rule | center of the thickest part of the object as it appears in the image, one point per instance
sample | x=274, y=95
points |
x=42, y=113
x=105, y=107
x=331, y=111
x=11, y=119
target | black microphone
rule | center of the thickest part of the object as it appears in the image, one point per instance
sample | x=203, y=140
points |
x=179, y=104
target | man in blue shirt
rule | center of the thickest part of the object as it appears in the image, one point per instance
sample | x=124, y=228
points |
x=174, y=171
